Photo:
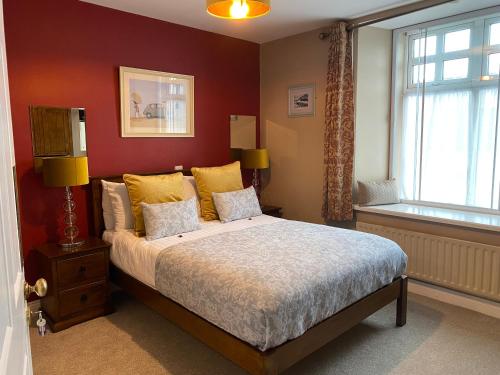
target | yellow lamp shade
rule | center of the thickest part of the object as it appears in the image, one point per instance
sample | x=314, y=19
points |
x=65, y=171
x=255, y=159
x=238, y=9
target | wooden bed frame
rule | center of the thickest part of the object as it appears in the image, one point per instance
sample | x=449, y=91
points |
x=256, y=362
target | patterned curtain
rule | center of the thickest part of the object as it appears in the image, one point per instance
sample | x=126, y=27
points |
x=339, y=127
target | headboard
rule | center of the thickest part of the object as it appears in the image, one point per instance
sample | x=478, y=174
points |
x=96, y=196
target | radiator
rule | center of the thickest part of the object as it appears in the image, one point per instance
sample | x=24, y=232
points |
x=468, y=267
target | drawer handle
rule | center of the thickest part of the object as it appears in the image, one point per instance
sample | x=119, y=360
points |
x=82, y=269
x=83, y=298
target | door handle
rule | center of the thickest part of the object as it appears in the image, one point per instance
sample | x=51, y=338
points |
x=40, y=288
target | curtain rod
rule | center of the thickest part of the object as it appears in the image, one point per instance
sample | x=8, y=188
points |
x=387, y=14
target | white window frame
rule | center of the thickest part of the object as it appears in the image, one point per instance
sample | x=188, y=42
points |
x=440, y=57
x=477, y=70
x=488, y=49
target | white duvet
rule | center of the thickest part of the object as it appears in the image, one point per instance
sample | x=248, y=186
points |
x=137, y=257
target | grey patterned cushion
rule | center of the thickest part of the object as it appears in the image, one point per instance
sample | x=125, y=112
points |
x=373, y=193
x=236, y=205
x=168, y=219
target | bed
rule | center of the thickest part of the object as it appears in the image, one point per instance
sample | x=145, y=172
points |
x=246, y=289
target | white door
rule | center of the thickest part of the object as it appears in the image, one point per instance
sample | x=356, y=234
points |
x=15, y=358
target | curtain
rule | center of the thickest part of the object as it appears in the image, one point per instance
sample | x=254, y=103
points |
x=455, y=143
x=339, y=127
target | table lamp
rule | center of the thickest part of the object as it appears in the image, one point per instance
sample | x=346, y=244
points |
x=255, y=159
x=67, y=172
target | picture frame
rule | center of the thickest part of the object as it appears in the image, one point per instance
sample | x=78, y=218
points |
x=156, y=104
x=301, y=100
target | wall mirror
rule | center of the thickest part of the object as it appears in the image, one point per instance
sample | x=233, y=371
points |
x=243, y=132
x=58, y=131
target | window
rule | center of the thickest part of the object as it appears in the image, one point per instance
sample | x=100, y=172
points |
x=494, y=34
x=427, y=44
x=457, y=40
x=446, y=136
x=455, y=69
x=424, y=70
x=493, y=63
x=439, y=55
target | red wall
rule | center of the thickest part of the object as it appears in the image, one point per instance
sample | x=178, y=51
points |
x=67, y=53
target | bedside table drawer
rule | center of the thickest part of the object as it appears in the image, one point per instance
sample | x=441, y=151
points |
x=76, y=270
x=78, y=299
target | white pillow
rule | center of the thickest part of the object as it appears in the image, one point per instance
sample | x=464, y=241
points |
x=168, y=219
x=120, y=206
x=236, y=205
x=107, y=210
x=190, y=191
x=373, y=193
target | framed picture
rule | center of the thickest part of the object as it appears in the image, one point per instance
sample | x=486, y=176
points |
x=301, y=100
x=156, y=104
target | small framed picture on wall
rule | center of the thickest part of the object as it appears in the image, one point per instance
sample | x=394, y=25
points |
x=301, y=100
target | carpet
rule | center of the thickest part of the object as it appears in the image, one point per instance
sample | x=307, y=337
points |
x=438, y=339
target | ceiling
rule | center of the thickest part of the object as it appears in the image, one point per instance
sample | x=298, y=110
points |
x=445, y=10
x=287, y=17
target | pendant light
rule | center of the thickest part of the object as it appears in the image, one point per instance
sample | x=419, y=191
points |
x=238, y=9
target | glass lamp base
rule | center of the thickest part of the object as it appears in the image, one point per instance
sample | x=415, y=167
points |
x=71, y=240
x=69, y=245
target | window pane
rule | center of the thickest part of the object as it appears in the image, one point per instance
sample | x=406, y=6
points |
x=418, y=73
x=495, y=34
x=457, y=40
x=493, y=64
x=454, y=69
x=419, y=45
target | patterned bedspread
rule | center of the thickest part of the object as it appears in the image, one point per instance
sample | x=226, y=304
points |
x=270, y=283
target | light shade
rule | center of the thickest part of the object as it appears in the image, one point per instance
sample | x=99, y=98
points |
x=255, y=159
x=238, y=9
x=65, y=171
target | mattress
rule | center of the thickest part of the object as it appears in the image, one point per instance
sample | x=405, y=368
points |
x=137, y=257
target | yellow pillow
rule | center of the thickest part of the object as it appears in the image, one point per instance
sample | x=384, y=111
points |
x=152, y=189
x=216, y=180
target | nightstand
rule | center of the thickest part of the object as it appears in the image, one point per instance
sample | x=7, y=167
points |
x=271, y=211
x=78, y=282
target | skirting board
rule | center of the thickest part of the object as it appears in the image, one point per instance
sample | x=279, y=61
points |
x=452, y=297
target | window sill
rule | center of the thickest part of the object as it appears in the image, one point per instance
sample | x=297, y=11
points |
x=455, y=217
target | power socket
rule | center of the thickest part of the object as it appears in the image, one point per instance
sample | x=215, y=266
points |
x=178, y=168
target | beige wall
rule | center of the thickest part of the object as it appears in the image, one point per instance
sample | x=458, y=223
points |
x=295, y=143
x=295, y=179
x=373, y=60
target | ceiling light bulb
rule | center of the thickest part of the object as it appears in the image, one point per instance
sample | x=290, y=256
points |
x=239, y=9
